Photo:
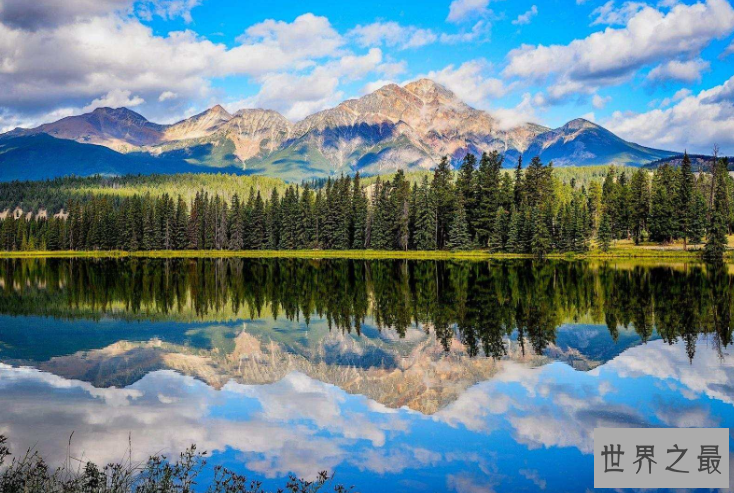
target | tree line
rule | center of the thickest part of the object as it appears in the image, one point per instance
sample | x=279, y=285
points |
x=527, y=211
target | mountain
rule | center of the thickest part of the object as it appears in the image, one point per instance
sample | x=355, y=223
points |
x=581, y=142
x=41, y=156
x=120, y=129
x=394, y=127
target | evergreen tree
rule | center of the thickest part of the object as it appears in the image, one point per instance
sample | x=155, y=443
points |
x=443, y=194
x=359, y=214
x=604, y=236
x=716, y=238
x=425, y=218
x=499, y=237
x=459, y=238
x=639, y=204
x=684, y=200
x=466, y=185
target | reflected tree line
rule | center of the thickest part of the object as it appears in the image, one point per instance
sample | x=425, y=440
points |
x=480, y=303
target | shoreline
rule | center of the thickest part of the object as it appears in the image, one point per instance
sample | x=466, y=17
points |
x=613, y=254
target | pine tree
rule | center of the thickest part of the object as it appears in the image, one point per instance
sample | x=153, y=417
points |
x=459, y=238
x=443, y=194
x=639, y=204
x=498, y=239
x=663, y=226
x=359, y=214
x=514, y=241
x=541, y=240
x=604, y=235
x=425, y=218
x=716, y=238
x=399, y=203
x=488, y=195
x=684, y=202
x=697, y=225
x=466, y=185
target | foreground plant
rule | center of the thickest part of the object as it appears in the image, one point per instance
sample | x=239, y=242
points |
x=30, y=474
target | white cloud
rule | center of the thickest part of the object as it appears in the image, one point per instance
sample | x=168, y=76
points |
x=166, y=95
x=460, y=10
x=609, y=15
x=695, y=122
x=526, y=17
x=307, y=37
x=115, y=99
x=599, y=102
x=480, y=31
x=729, y=50
x=392, y=34
x=524, y=112
x=38, y=14
x=470, y=82
x=297, y=95
x=688, y=71
x=612, y=56
x=86, y=59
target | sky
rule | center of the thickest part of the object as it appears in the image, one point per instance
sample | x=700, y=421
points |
x=659, y=73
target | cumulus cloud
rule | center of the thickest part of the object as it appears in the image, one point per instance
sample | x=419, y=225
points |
x=471, y=82
x=688, y=71
x=612, y=56
x=695, y=122
x=299, y=95
x=86, y=61
x=392, y=34
x=461, y=10
x=526, y=17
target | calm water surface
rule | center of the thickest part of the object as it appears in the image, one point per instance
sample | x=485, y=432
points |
x=397, y=375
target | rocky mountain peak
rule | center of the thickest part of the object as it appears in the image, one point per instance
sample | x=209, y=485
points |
x=430, y=91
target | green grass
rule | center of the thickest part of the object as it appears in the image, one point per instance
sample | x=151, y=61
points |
x=613, y=253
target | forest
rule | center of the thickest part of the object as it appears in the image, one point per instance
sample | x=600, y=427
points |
x=528, y=211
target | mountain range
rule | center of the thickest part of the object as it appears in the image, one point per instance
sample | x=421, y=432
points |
x=395, y=127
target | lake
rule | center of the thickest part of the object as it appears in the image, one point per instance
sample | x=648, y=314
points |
x=396, y=375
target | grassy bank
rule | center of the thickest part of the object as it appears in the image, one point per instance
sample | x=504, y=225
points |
x=619, y=251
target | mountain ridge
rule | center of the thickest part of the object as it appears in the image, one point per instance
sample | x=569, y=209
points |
x=395, y=127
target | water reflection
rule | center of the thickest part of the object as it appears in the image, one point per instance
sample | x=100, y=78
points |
x=424, y=376
x=510, y=432
x=479, y=303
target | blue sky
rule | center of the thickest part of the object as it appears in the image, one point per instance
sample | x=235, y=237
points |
x=654, y=72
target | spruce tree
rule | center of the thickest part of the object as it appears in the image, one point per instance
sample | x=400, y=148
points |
x=425, y=218
x=443, y=194
x=684, y=200
x=604, y=235
x=498, y=239
x=716, y=238
x=359, y=214
x=541, y=239
x=459, y=238
x=466, y=184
